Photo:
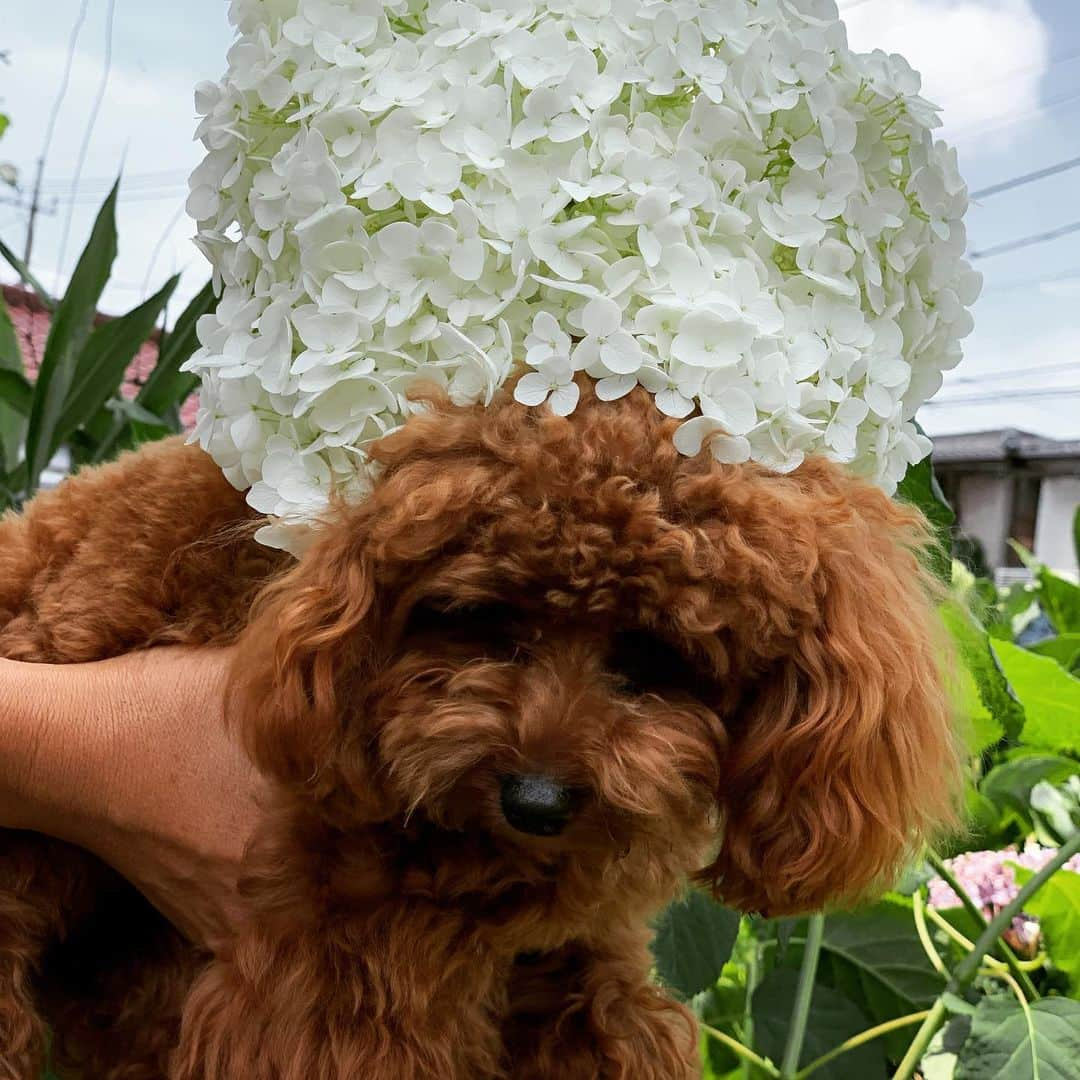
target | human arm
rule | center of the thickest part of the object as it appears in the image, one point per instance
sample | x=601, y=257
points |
x=131, y=759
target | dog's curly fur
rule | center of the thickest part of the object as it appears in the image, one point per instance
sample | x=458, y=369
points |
x=737, y=672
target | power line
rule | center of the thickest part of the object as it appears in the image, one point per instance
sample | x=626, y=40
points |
x=104, y=183
x=1027, y=178
x=106, y=72
x=1024, y=242
x=1013, y=373
x=1038, y=110
x=1034, y=282
x=991, y=399
x=50, y=127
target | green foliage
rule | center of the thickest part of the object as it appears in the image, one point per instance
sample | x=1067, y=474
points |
x=920, y=488
x=1050, y=696
x=833, y=1018
x=1057, y=906
x=71, y=326
x=991, y=706
x=871, y=966
x=1007, y=1043
x=1008, y=787
x=694, y=939
x=1061, y=601
x=1065, y=649
x=76, y=399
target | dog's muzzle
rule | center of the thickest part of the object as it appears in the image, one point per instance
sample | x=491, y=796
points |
x=537, y=805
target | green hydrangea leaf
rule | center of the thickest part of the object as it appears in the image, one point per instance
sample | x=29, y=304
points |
x=833, y=1018
x=1008, y=1044
x=694, y=939
x=1060, y=600
x=1049, y=694
x=921, y=488
x=989, y=703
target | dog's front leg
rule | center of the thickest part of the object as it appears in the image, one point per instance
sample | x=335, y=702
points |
x=401, y=995
x=591, y=1012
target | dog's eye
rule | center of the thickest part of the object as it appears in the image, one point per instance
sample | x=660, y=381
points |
x=646, y=664
x=487, y=625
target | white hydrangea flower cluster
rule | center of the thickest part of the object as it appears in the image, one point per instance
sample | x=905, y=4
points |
x=714, y=199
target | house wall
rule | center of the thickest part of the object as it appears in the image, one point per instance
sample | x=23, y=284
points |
x=1058, y=501
x=984, y=506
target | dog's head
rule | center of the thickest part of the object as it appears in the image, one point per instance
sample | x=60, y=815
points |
x=572, y=667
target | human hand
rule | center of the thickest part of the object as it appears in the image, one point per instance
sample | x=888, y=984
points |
x=131, y=759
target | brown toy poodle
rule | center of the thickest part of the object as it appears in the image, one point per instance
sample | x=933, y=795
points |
x=548, y=672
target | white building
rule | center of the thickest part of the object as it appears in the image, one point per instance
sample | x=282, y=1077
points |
x=1013, y=485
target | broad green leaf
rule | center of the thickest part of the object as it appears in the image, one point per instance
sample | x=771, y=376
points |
x=1049, y=694
x=15, y=392
x=1076, y=533
x=12, y=421
x=1007, y=1044
x=694, y=938
x=1000, y=712
x=873, y=956
x=833, y=1019
x=167, y=386
x=920, y=487
x=105, y=359
x=1065, y=649
x=70, y=329
x=23, y=271
x=1009, y=785
x=1056, y=811
x=1060, y=600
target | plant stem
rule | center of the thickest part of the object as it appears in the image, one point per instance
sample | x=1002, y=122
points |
x=967, y=969
x=752, y=971
x=743, y=1051
x=946, y=875
x=917, y=1049
x=863, y=1037
x=800, y=1013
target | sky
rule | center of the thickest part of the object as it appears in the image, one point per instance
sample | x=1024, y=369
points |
x=1006, y=73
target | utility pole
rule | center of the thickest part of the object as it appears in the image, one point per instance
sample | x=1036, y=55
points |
x=35, y=206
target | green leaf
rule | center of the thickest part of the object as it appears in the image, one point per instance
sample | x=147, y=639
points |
x=167, y=386
x=12, y=421
x=920, y=488
x=833, y=1019
x=1060, y=600
x=1057, y=906
x=70, y=329
x=16, y=392
x=1065, y=649
x=23, y=271
x=1049, y=694
x=1010, y=784
x=105, y=359
x=1076, y=533
x=694, y=939
x=1005, y=1045
x=991, y=705
x=1056, y=811
x=873, y=956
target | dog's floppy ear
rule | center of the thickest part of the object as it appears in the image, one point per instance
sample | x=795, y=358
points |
x=844, y=757
x=302, y=658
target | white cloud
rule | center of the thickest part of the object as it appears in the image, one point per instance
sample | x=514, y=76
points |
x=982, y=60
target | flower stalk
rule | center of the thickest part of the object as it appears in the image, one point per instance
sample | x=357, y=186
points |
x=804, y=992
x=968, y=968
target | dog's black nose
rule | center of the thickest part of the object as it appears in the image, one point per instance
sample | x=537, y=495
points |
x=537, y=805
